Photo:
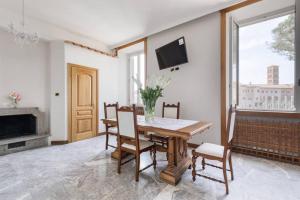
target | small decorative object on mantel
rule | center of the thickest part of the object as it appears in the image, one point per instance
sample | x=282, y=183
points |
x=15, y=98
x=153, y=90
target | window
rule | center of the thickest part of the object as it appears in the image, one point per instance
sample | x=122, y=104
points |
x=137, y=72
x=266, y=63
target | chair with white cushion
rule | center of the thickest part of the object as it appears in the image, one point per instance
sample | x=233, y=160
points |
x=171, y=110
x=129, y=142
x=140, y=111
x=168, y=111
x=216, y=152
x=110, y=112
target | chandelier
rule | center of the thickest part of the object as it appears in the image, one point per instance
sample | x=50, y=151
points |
x=21, y=36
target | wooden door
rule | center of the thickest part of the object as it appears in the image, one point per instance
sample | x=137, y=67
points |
x=84, y=110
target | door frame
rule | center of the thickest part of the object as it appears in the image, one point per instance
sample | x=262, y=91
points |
x=69, y=98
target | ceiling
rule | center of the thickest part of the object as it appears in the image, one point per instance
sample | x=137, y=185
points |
x=115, y=22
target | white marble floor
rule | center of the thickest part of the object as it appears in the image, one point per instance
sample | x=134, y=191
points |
x=83, y=170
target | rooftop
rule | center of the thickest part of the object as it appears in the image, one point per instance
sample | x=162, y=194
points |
x=269, y=86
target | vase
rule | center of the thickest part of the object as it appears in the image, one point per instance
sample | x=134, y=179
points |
x=14, y=104
x=149, y=113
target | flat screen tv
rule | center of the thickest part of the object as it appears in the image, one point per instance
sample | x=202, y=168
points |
x=172, y=54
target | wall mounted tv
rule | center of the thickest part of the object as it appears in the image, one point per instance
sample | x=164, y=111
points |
x=172, y=54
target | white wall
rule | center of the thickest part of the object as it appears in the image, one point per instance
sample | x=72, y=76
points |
x=25, y=70
x=197, y=84
x=108, y=70
x=123, y=79
x=58, y=108
x=38, y=72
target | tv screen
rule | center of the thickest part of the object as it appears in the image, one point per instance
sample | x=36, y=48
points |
x=172, y=54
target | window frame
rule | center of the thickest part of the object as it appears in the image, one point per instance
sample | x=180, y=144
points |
x=231, y=44
x=130, y=82
x=251, y=21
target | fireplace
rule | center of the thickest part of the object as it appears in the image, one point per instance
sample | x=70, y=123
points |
x=22, y=129
x=12, y=126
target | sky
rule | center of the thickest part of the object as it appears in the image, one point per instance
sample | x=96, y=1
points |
x=256, y=55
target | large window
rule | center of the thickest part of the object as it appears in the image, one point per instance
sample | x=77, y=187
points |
x=266, y=64
x=137, y=76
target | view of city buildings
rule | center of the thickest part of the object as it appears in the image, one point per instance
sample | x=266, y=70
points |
x=270, y=96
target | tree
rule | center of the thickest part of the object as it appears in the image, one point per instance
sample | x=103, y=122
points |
x=284, y=38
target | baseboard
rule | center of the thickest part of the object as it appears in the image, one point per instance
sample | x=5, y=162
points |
x=62, y=142
x=101, y=133
x=59, y=142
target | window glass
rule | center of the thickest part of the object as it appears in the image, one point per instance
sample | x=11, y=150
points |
x=137, y=76
x=267, y=64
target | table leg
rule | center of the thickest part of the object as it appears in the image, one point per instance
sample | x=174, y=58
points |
x=178, y=161
x=115, y=154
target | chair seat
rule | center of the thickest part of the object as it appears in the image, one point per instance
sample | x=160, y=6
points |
x=143, y=137
x=111, y=119
x=113, y=130
x=211, y=150
x=143, y=145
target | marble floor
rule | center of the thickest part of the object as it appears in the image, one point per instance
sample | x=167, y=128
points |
x=84, y=170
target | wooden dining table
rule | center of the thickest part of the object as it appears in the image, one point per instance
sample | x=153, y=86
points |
x=178, y=132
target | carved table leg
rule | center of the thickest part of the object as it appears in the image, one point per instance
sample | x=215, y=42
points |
x=178, y=161
x=115, y=154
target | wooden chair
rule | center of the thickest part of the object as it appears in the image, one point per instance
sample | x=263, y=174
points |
x=171, y=110
x=168, y=111
x=139, y=110
x=216, y=152
x=110, y=112
x=142, y=134
x=129, y=142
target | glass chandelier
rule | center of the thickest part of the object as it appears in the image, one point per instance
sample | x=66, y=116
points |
x=21, y=36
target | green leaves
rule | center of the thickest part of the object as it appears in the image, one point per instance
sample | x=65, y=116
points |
x=150, y=95
x=284, y=38
x=153, y=90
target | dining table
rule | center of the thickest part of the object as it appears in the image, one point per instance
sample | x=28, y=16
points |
x=178, y=132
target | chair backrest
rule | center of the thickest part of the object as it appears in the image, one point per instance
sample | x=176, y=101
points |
x=230, y=130
x=127, y=122
x=171, y=110
x=230, y=124
x=139, y=110
x=110, y=110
